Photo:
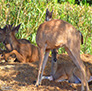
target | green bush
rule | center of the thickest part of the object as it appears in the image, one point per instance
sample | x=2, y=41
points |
x=31, y=13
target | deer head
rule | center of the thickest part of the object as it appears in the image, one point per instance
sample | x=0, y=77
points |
x=48, y=15
x=3, y=32
x=10, y=31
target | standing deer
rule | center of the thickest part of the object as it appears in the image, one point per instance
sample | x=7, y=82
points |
x=54, y=51
x=57, y=33
x=66, y=71
x=24, y=52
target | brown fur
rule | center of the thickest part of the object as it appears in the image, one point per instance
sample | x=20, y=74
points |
x=25, y=52
x=57, y=33
x=67, y=70
x=6, y=43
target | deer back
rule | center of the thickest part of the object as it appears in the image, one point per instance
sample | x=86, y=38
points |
x=56, y=33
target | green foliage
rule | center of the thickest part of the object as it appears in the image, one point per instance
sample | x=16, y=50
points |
x=79, y=2
x=31, y=13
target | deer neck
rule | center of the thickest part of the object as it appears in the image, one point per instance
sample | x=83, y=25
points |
x=13, y=41
x=54, y=66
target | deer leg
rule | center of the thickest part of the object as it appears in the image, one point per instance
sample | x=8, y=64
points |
x=42, y=50
x=54, y=66
x=18, y=55
x=53, y=62
x=44, y=62
x=47, y=77
x=53, y=70
x=74, y=79
x=54, y=54
x=75, y=55
x=62, y=78
x=43, y=65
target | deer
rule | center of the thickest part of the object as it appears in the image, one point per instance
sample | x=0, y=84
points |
x=66, y=71
x=48, y=18
x=25, y=52
x=54, y=51
x=6, y=43
x=58, y=33
x=3, y=35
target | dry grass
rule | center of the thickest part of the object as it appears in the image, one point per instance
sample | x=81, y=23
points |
x=20, y=77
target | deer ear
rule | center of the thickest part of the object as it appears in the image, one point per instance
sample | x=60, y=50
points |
x=47, y=11
x=10, y=26
x=15, y=29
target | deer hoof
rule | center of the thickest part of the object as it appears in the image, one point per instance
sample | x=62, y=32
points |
x=36, y=85
x=16, y=60
x=34, y=82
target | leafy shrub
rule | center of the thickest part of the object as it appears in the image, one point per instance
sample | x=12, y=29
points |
x=31, y=13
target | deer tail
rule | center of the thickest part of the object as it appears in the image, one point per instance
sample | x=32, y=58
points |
x=81, y=37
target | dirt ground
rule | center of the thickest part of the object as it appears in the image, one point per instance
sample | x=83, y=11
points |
x=20, y=77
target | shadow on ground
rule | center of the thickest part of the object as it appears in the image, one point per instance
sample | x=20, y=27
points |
x=20, y=76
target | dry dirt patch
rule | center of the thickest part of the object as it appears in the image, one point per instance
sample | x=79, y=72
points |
x=20, y=77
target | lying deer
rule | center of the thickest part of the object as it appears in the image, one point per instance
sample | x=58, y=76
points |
x=57, y=33
x=66, y=71
x=8, y=47
x=24, y=52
